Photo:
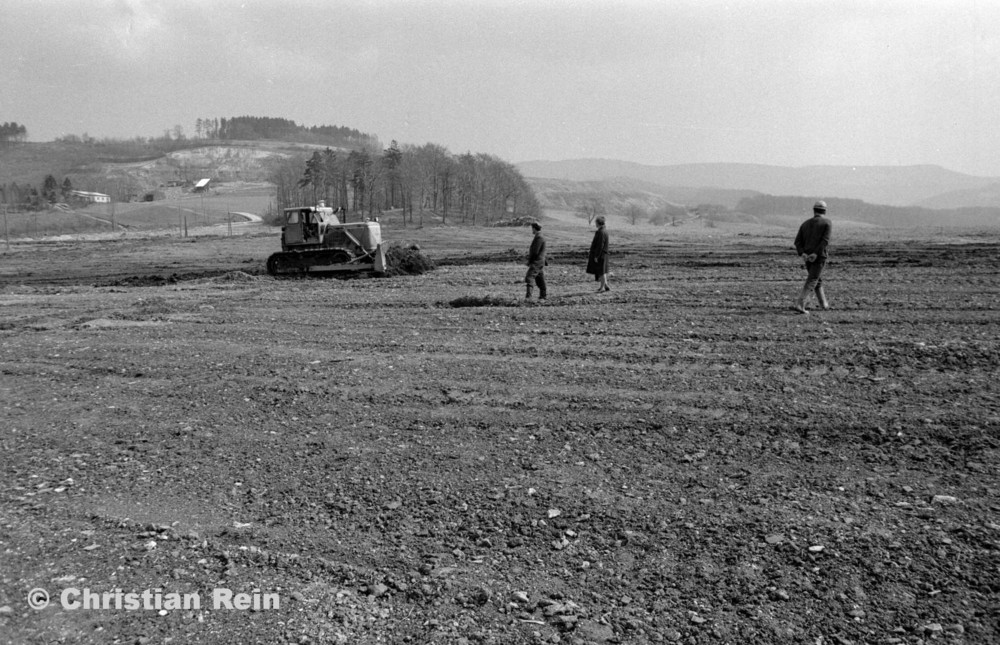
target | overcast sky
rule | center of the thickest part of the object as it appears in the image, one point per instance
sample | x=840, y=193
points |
x=782, y=82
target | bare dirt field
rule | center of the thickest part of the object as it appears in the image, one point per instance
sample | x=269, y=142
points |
x=682, y=459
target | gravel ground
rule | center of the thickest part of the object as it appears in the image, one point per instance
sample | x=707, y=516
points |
x=682, y=459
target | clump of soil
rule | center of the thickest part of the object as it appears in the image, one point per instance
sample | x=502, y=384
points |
x=152, y=306
x=484, y=301
x=496, y=257
x=141, y=281
x=236, y=276
x=407, y=260
x=515, y=221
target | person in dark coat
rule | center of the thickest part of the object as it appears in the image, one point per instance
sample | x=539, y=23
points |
x=536, y=263
x=812, y=241
x=597, y=261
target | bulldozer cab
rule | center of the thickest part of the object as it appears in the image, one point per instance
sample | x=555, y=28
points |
x=306, y=225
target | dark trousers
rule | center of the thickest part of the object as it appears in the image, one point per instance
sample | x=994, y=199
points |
x=814, y=273
x=540, y=281
x=539, y=277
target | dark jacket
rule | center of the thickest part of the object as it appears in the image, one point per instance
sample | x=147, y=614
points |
x=814, y=236
x=536, y=254
x=597, y=261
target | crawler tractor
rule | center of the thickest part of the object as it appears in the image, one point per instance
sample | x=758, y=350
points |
x=314, y=239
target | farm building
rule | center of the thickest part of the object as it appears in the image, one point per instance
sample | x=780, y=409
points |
x=97, y=198
x=201, y=185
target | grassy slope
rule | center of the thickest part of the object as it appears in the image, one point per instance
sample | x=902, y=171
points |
x=194, y=210
x=31, y=162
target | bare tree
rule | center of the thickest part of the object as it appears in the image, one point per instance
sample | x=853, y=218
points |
x=434, y=160
x=286, y=176
x=634, y=213
x=409, y=179
x=332, y=176
x=313, y=177
x=360, y=163
x=591, y=208
x=376, y=176
x=391, y=159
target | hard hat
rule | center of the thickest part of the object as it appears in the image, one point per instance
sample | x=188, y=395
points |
x=820, y=206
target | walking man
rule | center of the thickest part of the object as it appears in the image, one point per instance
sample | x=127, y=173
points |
x=536, y=263
x=812, y=242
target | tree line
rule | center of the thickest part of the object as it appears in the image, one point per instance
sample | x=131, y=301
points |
x=240, y=128
x=467, y=188
x=262, y=128
x=12, y=132
x=27, y=197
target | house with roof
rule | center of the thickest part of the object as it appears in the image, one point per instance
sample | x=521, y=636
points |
x=94, y=198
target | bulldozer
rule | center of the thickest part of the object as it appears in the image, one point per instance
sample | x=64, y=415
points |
x=314, y=239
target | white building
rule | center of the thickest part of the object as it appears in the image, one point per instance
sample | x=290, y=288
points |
x=97, y=198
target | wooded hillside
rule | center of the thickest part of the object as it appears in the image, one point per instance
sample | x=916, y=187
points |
x=467, y=188
x=257, y=128
x=353, y=171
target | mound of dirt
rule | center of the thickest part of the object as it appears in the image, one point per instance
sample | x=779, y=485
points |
x=236, y=276
x=141, y=281
x=515, y=221
x=497, y=257
x=484, y=301
x=408, y=260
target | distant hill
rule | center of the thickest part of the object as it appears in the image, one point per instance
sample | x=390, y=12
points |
x=226, y=148
x=722, y=205
x=617, y=192
x=892, y=185
x=987, y=196
x=855, y=210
